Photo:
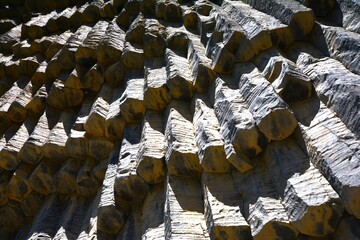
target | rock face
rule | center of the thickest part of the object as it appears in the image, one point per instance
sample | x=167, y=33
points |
x=179, y=119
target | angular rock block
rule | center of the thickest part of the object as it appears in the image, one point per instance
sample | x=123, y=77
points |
x=30, y=101
x=288, y=80
x=31, y=151
x=132, y=106
x=93, y=79
x=339, y=44
x=65, y=178
x=114, y=121
x=298, y=17
x=179, y=78
x=54, y=147
x=128, y=185
x=60, y=21
x=135, y=33
x=297, y=182
x=40, y=77
x=231, y=36
x=200, y=65
x=66, y=57
x=335, y=85
x=154, y=39
x=184, y=202
x=10, y=148
x=110, y=217
x=273, y=117
x=133, y=56
x=237, y=124
x=223, y=207
x=181, y=150
x=281, y=34
x=151, y=164
x=86, y=53
x=112, y=45
x=331, y=147
x=57, y=44
x=263, y=210
x=209, y=141
x=35, y=27
x=156, y=92
x=96, y=120
x=258, y=35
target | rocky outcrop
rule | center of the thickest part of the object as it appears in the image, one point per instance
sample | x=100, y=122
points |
x=176, y=119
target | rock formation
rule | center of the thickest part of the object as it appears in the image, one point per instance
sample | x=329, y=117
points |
x=180, y=119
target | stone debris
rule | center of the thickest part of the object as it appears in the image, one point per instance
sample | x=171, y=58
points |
x=179, y=119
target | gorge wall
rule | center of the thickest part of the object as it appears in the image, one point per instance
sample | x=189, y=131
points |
x=144, y=119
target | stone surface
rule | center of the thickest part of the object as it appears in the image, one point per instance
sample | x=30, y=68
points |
x=179, y=119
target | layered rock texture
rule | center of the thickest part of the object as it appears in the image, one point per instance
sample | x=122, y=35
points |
x=176, y=119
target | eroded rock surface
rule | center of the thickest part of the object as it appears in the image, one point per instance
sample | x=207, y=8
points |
x=177, y=119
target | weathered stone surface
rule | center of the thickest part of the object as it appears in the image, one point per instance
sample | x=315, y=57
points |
x=299, y=18
x=191, y=100
x=31, y=151
x=153, y=39
x=288, y=80
x=94, y=125
x=10, y=147
x=54, y=147
x=200, y=65
x=111, y=46
x=179, y=78
x=66, y=56
x=273, y=117
x=181, y=151
x=110, y=217
x=209, y=141
x=7, y=99
x=237, y=125
x=349, y=20
x=114, y=121
x=335, y=85
x=339, y=44
x=151, y=164
x=128, y=184
x=331, y=148
x=86, y=53
x=315, y=216
x=132, y=106
x=184, y=211
x=35, y=28
x=133, y=56
x=156, y=92
x=223, y=207
x=263, y=210
x=153, y=213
